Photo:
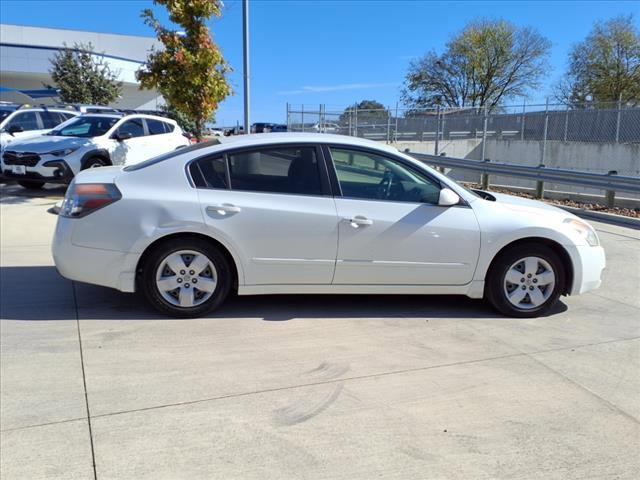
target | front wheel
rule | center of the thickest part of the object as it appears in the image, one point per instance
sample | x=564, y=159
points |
x=94, y=162
x=186, y=278
x=525, y=281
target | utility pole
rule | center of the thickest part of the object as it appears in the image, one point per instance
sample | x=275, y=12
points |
x=245, y=55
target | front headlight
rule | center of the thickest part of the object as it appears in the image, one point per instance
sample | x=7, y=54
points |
x=63, y=152
x=583, y=229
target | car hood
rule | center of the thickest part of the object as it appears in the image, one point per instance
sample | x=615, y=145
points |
x=47, y=143
x=527, y=207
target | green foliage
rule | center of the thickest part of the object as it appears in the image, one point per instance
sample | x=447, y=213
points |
x=369, y=112
x=83, y=77
x=486, y=63
x=190, y=71
x=187, y=124
x=605, y=67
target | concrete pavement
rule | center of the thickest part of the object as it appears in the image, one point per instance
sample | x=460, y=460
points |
x=94, y=384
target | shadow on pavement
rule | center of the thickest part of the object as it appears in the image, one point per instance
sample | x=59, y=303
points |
x=12, y=194
x=40, y=293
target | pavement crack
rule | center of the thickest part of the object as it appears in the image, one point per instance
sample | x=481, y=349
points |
x=84, y=380
x=359, y=377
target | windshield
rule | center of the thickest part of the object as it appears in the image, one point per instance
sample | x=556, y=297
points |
x=5, y=112
x=85, y=127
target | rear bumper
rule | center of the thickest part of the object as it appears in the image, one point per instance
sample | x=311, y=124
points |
x=589, y=262
x=108, y=268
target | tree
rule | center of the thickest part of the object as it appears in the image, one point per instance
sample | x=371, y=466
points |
x=369, y=112
x=605, y=67
x=190, y=71
x=83, y=77
x=486, y=63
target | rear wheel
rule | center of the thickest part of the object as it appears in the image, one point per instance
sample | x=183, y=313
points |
x=35, y=185
x=525, y=281
x=186, y=278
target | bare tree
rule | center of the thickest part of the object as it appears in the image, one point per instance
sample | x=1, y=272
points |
x=488, y=62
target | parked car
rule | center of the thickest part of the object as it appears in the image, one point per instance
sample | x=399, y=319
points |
x=19, y=123
x=325, y=127
x=88, y=141
x=261, y=127
x=277, y=128
x=314, y=213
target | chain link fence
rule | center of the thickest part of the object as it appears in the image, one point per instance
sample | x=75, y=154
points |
x=606, y=122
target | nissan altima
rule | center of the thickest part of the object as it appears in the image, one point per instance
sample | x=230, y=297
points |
x=314, y=213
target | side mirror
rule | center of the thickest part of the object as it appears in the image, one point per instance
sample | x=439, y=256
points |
x=15, y=128
x=448, y=197
x=123, y=136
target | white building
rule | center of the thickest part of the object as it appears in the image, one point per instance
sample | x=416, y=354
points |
x=25, y=54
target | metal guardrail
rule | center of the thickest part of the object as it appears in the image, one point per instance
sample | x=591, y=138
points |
x=611, y=182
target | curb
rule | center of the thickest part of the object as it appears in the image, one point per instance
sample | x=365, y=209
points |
x=604, y=217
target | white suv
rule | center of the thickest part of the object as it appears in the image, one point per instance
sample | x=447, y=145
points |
x=20, y=123
x=88, y=141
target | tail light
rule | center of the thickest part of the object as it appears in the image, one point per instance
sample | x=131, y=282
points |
x=84, y=198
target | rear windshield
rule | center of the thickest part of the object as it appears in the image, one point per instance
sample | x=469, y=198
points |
x=170, y=155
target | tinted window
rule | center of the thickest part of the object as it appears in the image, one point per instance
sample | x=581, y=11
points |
x=5, y=111
x=280, y=170
x=133, y=126
x=85, y=127
x=156, y=127
x=209, y=172
x=51, y=119
x=26, y=120
x=66, y=116
x=375, y=177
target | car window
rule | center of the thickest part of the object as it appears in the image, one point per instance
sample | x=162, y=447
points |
x=278, y=170
x=85, y=127
x=209, y=172
x=376, y=177
x=133, y=126
x=26, y=120
x=66, y=116
x=156, y=127
x=51, y=119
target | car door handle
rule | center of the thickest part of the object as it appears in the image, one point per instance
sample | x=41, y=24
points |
x=359, y=221
x=224, y=209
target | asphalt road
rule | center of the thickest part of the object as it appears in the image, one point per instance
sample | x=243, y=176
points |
x=94, y=384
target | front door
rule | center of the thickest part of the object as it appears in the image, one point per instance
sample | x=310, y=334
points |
x=391, y=229
x=271, y=205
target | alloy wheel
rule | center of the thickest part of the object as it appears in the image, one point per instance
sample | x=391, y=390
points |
x=529, y=282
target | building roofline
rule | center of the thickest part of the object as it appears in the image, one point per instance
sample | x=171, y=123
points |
x=78, y=30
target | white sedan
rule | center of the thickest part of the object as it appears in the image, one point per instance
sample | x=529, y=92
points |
x=314, y=213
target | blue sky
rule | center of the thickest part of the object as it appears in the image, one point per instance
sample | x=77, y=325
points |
x=331, y=52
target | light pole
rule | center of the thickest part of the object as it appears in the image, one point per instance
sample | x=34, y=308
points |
x=245, y=54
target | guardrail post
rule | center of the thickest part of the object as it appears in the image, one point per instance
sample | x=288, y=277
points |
x=484, y=178
x=610, y=195
x=540, y=185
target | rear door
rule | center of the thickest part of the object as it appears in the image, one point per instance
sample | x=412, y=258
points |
x=160, y=137
x=392, y=230
x=273, y=205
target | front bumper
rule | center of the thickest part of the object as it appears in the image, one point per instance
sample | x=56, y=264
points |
x=50, y=171
x=588, y=262
x=108, y=268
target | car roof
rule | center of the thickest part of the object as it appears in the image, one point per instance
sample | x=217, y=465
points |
x=128, y=116
x=299, y=137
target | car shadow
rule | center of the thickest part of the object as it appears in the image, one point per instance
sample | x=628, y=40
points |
x=39, y=293
x=12, y=194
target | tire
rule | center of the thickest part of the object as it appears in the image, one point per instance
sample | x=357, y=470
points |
x=94, y=162
x=525, y=281
x=170, y=284
x=35, y=185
